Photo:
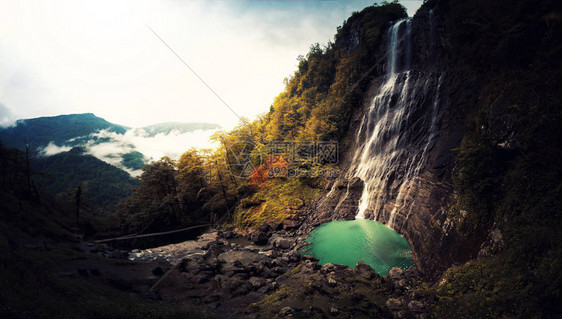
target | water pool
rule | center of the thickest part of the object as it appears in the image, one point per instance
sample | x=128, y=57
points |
x=347, y=242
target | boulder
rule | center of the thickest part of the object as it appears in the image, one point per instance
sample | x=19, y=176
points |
x=290, y=224
x=394, y=304
x=256, y=282
x=395, y=273
x=328, y=267
x=158, y=271
x=416, y=306
x=361, y=268
x=259, y=237
x=283, y=243
x=309, y=257
x=286, y=311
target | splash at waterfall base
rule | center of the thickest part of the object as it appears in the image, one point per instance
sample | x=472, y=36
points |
x=348, y=242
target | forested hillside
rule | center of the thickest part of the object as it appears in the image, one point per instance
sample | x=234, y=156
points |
x=57, y=129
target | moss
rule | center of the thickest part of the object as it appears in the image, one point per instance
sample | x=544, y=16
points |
x=274, y=201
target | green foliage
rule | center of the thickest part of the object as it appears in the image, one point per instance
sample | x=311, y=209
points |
x=103, y=184
x=497, y=287
x=133, y=160
x=509, y=165
x=274, y=201
x=328, y=86
x=195, y=190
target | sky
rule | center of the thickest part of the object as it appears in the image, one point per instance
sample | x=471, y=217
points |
x=63, y=57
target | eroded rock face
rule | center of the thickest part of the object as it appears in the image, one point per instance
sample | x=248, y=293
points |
x=415, y=189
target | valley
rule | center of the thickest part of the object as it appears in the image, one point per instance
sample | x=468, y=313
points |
x=411, y=168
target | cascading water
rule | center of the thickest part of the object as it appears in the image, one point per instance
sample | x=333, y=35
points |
x=396, y=133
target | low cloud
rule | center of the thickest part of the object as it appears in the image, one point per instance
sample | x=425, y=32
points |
x=7, y=117
x=173, y=144
x=53, y=149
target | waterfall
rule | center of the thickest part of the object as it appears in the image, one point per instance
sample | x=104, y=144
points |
x=396, y=132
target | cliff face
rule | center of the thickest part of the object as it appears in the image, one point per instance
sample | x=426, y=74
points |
x=398, y=166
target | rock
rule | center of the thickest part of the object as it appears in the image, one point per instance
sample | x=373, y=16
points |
x=259, y=237
x=395, y=273
x=286, y=311
x=309, y=257
x=241, y=257
x=394, y=304
x=357, y=296
x=290, y=224
x=402, y=283
x=95, y=272
x=283, y=243
x=264, y=228
x=277, y=226
x=228, y=234
x=265, y=289
x=310, y=266
x=416, y=306
x=256, y=282
x=361, y=268
x=328, y=267
x=158, y=271
x=244, y=288
x=118, y=254
x=334, y=311
x=214, y=251
x=82, y=272
x=294, y=256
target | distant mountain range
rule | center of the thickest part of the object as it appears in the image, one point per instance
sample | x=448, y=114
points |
x=56, y=129
x=86, y=150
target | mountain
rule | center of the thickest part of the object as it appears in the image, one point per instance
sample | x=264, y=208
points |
x=103, y=185
x=56, y=129
x=86, y=150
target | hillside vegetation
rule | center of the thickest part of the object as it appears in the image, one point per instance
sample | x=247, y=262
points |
x=509, y=165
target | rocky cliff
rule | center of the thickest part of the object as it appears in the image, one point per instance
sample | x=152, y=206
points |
x=398, y=165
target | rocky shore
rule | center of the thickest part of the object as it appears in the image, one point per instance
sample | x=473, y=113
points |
x=262, y=275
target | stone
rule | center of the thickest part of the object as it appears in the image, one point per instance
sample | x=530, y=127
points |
x=82, y=272
x=416, y=306
x=256, y=282
x=259, y=237
x=402, y=283
x=95, y=272
x=328, y=267
x=357, y=296
x=310, y=257
x=158, y=271
x=286, y=311
x=361, y=268
x=283, y=243
x=264, y=228
x=294, y=256
x=290, y=224
x=395, y=273
x=394, y=304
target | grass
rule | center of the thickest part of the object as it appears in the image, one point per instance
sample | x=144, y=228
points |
x=274, y=201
